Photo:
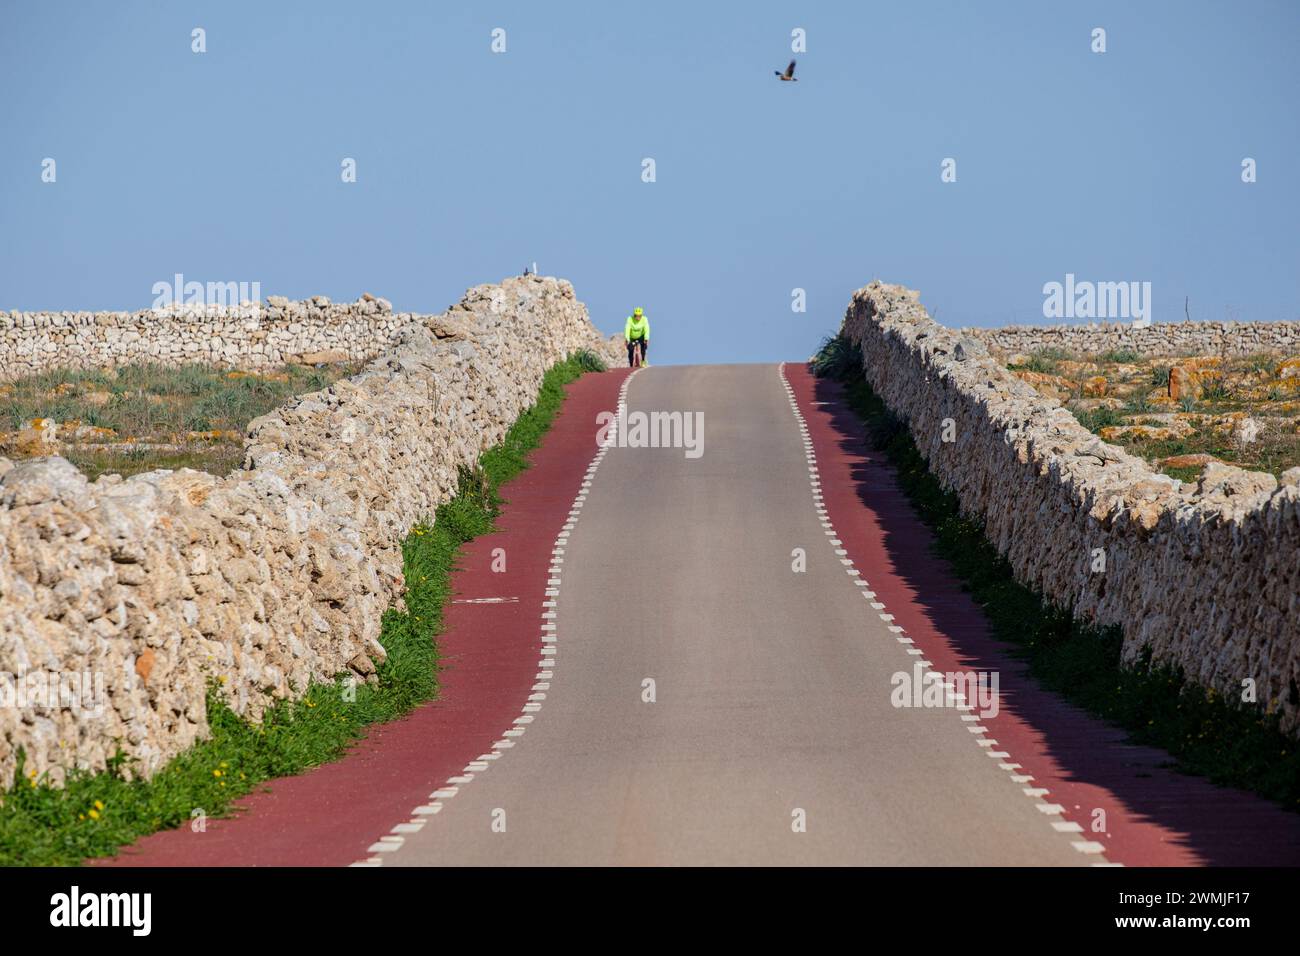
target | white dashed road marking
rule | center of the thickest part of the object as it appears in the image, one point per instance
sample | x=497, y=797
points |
x=419, y=815
x=1037, y=794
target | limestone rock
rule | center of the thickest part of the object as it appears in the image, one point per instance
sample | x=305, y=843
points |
x=272, y=576
x=1184, y=382
x=1203, y=576
x=327, y=357
x=42, y=480
x=1195, y=460
x=1095, y=386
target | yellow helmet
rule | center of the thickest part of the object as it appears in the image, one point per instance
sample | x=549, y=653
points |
x=637, y=312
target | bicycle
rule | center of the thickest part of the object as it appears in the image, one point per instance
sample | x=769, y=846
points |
x=638, y=353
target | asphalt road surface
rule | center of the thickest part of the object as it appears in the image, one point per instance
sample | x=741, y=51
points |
x=772, y=738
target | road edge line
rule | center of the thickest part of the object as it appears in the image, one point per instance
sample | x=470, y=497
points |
x=395, y=838
x=1039, y=795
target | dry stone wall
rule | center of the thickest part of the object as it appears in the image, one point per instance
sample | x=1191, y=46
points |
x=254, y=336
x=1165, y=338
x=1204, y=575
x=269, y=577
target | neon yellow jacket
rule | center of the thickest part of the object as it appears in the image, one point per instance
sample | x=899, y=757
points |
x=637, y=329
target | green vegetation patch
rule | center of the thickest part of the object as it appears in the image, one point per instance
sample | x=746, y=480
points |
x=96, y=813
x=1205, y=734
x=145, y=416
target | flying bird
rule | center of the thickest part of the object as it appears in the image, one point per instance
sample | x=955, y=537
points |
x=788, y=75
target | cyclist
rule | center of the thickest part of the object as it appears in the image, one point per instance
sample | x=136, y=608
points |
x=637, y=332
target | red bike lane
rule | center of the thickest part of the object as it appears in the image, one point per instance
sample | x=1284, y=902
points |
x=330, y=815
x=1150, y=815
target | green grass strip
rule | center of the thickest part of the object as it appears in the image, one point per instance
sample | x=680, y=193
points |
x=96, y=813
x=1205, y=734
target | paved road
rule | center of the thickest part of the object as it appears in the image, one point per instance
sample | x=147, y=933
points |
x=773, y=688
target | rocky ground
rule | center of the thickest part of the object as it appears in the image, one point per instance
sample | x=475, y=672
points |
x=1179, y=413
x=262, y=580
x=143, y=417
x=1199, y=576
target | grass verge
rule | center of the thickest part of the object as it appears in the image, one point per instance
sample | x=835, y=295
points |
x=94, y=814
x=145, y=416
x=1204, y=733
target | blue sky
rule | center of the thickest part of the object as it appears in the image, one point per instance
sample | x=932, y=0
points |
x=225, y=166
